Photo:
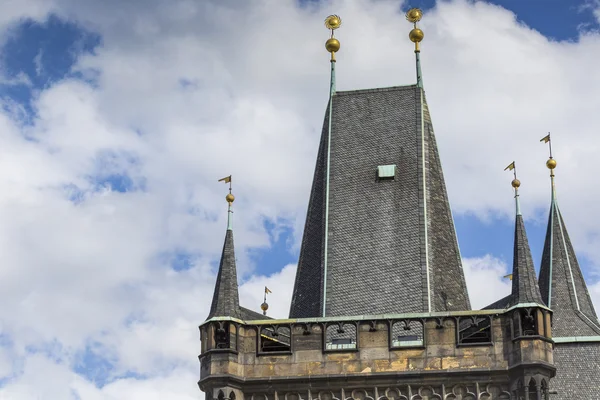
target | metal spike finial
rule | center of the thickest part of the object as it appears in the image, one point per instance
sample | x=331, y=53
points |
x=515, y=184
x=230, y=198
x=416, y=35
x=265, y=306
x=332, y=45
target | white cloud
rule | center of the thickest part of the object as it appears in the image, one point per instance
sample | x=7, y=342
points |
x=95, y=271
x=484, y=276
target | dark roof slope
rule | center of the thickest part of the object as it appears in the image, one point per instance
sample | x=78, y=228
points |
x=226, y=302
x=391, y=243
x=562, y=285
x=524, y=283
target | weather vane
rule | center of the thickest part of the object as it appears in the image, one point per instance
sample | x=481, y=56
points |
x=229, y=198
x=332, y=45
x=265, y=306
x=551, y=163
x=515, y=184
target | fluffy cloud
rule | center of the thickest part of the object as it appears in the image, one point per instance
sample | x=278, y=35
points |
x=178, y=96
x=484, y=276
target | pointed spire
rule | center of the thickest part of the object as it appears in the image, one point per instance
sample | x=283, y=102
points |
x=226, y=301
x=524, y=283
x=562, y=285
x=414, y=15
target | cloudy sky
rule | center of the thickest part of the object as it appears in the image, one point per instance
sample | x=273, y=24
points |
x=117, y=118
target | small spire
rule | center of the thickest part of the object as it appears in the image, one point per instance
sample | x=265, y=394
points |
x=525, y=287
x=562, y=284
x=416, y=35
x=265, y=306
x=230, y=199
x=226, y=301
x=515, y=184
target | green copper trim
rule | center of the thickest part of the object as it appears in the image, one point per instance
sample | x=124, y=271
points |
x=425, y=222
x=527, y=305
x=562, y=237
x=419, y=75
x=326, y=244
x=551, y=242
x=365, y=317
x=576, y=339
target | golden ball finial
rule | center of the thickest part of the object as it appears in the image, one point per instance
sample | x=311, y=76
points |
x=516, y=183
x=551, y=163
x=333, y=22
x=264, y=306
x=414, y=15
x=230, y=198
x=416, y=35
x=332, y=45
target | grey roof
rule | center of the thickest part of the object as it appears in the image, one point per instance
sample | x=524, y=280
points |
x=501, y=304
x=250, y=315
x=524, y=284
x=392, y=246
x=226, y=302
x=562, y=285
x=577, y=371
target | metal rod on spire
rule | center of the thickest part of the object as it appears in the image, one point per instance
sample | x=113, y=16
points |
x=416, y=35
x=515, y=184
x=332, y=45
x=551, y=163
x=230, y=198
x=265, y=306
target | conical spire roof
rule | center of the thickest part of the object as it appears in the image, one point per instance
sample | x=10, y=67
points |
x=525, y=287
x=524, y=283
x=562, y=285
x=226, y=302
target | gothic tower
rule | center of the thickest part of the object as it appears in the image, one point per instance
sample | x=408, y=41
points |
x=380, y=309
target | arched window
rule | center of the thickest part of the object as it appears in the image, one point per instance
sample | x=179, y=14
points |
x=532, y=390
x=545, y=390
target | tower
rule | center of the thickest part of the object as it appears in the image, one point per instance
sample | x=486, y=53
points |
x=379, y=235
x=380, y=308
x=575, y=325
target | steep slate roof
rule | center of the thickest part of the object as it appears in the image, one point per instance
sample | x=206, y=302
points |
x=501, y=304
x=562, y=285
x=250, y=315
x=392, y=245
x=524, y=283
x=226, y=301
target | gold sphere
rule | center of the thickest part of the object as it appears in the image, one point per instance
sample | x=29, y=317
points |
x=551, y=163
x=414, y=15
x=516, y=183
x=230, y=198
x=332, y=45
x=264, y=306
x=333, y=22
x=416, y=35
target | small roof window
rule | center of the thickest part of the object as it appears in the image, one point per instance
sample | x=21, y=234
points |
x=386, y=171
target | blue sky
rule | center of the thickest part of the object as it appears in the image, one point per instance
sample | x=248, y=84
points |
x=116, y=126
